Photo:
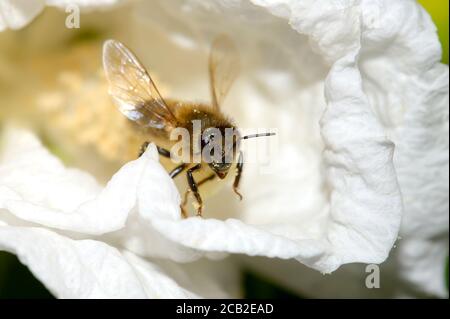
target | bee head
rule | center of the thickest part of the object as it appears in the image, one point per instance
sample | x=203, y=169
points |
x=219, y=148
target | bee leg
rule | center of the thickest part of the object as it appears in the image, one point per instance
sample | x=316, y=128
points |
x=237, y=179
x=194, y=187
x=183, y=211
x=143, y=148
x=177, y=170
x=183, y=204
x=163, y=152
x=186, y=194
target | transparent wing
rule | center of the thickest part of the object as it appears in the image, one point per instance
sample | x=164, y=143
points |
x=224, y=67
x=133, y=89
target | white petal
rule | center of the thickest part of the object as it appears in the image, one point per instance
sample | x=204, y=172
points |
x=86, y=268
x=140, y=237
x=15, y=14
x=205, y=278
x=36, y=187
x=422, y=264
x=407, y=87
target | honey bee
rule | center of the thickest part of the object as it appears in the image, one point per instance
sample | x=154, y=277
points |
x=138, y=98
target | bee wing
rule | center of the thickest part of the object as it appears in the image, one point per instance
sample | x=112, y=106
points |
x=224, y=67
x=132, y=88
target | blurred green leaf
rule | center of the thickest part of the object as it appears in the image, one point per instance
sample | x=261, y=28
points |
x=438, y=9
x=258, y=287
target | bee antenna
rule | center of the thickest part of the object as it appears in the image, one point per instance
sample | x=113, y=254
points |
x=246, y=137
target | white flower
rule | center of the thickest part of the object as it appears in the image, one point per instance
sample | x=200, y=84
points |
x=344, y=83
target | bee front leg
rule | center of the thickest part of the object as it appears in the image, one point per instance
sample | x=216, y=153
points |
x=237, y=179
x=161, y=151
x=194, y=187
x=143, y=148
x=177, y=170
